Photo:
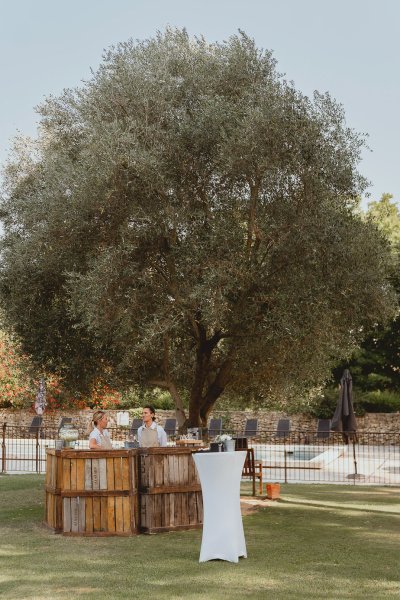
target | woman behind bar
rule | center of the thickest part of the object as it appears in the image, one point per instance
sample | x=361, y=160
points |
x=99, y=438
x=151, y=435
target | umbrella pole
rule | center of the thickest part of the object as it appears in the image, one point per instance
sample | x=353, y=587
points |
x=355, y=475
x=354, y=457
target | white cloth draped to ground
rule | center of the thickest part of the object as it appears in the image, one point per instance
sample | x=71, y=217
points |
x=220, y=474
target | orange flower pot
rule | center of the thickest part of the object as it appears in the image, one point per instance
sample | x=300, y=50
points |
x=273, y=491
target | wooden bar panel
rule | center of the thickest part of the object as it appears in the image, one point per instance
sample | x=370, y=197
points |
x=92, y=493
x=170, y=490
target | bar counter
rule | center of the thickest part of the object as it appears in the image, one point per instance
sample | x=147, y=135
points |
x=122, y=492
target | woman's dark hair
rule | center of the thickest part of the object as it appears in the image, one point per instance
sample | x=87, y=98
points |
x=151, y=409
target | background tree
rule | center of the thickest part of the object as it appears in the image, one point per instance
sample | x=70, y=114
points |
x=376, y=364
x=186, y=219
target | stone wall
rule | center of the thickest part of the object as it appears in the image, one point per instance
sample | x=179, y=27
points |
x=235, y=420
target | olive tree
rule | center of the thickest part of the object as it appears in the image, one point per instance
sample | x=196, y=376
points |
x=186, y=219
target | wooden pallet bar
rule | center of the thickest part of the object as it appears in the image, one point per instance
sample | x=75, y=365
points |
x=122, y=492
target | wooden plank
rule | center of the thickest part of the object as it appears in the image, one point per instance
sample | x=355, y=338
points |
x=169, y=478
x=133, y=473
x=94, y=453
x=82, y=503
x=59, y=475
x=59, y=513
x=100, y=534
x=102, y=473
x=144, y=470
x=143, y=511
x=54, y=470
x=165, y=529
x=96, y=513
x=117, y=474
x=88, y=473
x=172, y=510
x=165, y=510
x=156, y=520
x=73, y=474
x=53, y=513
x=49, y=469
x=176, y=469
x=67, y=515
x=178, y=509
x=185, y=509
x=185, y=470
x=48, y=510
x=80, y=474
x=66, y=485
x=110, y=473
x=199, y=506
x=158, y=470
x=192, y=512
x=89, y=515
x=85, y=493
x=111, y=513
x=135, y=514
x=48, y=516
x=103, y=513
x=126, y=511
x=171, y=489
x=179, y=468
x=95, y=474
x=125, y=474
x=74, y=515
x=164, y=451
x=119, y=515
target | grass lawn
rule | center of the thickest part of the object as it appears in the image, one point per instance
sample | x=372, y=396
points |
x=319, y=542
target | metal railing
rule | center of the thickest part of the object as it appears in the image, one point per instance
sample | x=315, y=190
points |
x=295, y=456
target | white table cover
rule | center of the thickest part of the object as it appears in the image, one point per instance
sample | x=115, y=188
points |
x=220, y=474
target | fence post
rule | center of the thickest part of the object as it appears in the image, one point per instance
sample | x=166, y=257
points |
x=285, y=460
x=3, y=449
x=37, y=450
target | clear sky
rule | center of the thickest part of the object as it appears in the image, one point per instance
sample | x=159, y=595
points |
x=350, y=48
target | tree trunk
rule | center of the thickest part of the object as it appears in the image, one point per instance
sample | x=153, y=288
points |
x=179, y=410
x=215, y=390
x=203, y=359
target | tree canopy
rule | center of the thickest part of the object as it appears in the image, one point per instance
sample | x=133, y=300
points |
x=186, y=218
x=376, y=364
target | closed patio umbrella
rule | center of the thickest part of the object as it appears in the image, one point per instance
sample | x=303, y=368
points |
x=40, y=403
x=344, y=419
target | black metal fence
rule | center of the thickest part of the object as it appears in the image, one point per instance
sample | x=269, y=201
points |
x=295, y=456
